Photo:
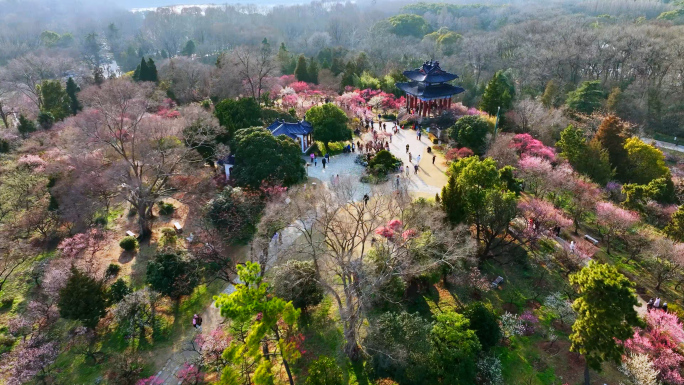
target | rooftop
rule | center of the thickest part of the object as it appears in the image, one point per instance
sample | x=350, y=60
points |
x=292, y=130
x=425, y=91
x=430, y=72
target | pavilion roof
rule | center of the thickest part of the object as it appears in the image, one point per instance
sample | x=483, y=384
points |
x=429, y=91
x=430, y=72
x=281, y=127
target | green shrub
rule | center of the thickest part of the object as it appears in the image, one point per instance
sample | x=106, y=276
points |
x=129, y=243
x=168, y=237
x=206, y=104
x=324, y=371
x=389, y=117
x=6, y=343
x=334, y=148
x=7, y=303
x=374, y=179
x=677, y=310
x=384, y=160
x=100, y=220
x=118, y=291
x=4, y=146
x=113, y=270
x=165, y=208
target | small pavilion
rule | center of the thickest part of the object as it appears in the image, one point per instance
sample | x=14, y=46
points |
x=428, y=90
x=300, y=132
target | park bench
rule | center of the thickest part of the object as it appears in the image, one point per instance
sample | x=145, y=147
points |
x=131, y=234
x=591, y=239
x=497, y=282
x=178, y=227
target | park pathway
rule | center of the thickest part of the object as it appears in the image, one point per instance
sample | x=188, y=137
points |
x=661, y=144
x=185, y=353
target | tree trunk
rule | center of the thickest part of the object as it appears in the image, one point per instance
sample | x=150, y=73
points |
x=351, y=348
x=289, y=373
x=143, y=221
x=586, y=373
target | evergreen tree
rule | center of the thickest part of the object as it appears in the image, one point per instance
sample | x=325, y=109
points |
x=587, y=98
x=286, y=61
x=329, y=123
x=152, y=71
x=173, y=275
x=301, y=73
x=54, y=99
x=141, y=73
x=312, y=71
x=611, y=135
x=349, y=74
x=189, y=48
x=675, y=229
x=498, y=93
x=26, y=126
x=72, y=89
x=337, y=66
x=261, y=317
x=550, y=96
x=98, y=75
x=46, y=119
x=471, y=131
x=324, y=371
x=605, y=315
x=82, y=298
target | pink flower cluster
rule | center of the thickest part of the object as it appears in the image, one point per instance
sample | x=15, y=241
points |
x=33, y=162
x=660, y=340
x=525, y=144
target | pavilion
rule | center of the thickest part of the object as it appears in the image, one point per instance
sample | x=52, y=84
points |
x=300, y=132
x=428, y=90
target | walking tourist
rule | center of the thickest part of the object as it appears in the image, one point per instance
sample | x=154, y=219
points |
x=313, y=156
x=410, y=157
x=323, y=163
x=407, y=147
x=415, y=169
x=433, y=159
x=366, y=198
x=418, y=159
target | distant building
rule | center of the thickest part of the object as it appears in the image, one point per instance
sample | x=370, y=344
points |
x=300, y=132
x=428, y=90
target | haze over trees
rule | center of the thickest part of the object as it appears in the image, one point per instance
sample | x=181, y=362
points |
x=141, y=192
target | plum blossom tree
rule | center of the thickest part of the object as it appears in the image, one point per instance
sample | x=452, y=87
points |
x=583, y=196
x=525, y=144
x=542, y=216
x=30, y=360
x=560, y=307
x=665, y=259
x=614, y=221
x=536, y=171
x=147, y=150
x=660, y=340
x=640, y=369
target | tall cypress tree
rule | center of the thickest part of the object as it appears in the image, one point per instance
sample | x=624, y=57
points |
x=152, y=71
x=72, y=89
x=141, y=73
x=313, y=71
x=301, y=72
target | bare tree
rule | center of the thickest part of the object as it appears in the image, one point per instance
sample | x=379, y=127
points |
x=148, y=150
x=27, y=72
x=358, y=246
x=254, y=65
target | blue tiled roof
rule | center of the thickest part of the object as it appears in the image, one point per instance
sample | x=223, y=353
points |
x=280, y=127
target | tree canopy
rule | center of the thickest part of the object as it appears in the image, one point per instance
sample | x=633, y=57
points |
x=329, y=123
x=409, y=25
x=606, y=315
x=260, y=156
x=237, y=114
x=83, y=298
x=471, y=132
x=587, y=98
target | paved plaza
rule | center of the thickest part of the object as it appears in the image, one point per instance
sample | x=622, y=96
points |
x=429, y=180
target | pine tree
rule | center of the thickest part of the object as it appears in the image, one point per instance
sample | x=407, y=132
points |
x=313, y=71
x=587, y=98
x=498, y=93
x=611, y=135
x=189, y=48
x=301, y=73
x=72, y=89
x=605, y=315
x=141, y=73
x=152, y=68
x=26, y=126
x=83, y=298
